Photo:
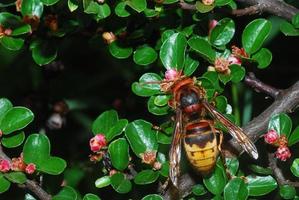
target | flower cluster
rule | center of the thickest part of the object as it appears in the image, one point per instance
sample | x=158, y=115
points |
x=283, y=152
x=97, y=143
x=17, y=164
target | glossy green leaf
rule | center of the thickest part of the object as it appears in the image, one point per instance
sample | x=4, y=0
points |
x=150, y=12
x=295, y=20
x=146, y=177
x=222, y=2
x=260, y=185
x=142, y=137
x=287, y=191
x=236, y=189
x=145, y=55
x=294, y=137
x=73, y=5
x=221, y=103
x=4, y=184
x=232, y=165
x=237, y=73
x=117, y=129
x=202, y=47
x=172, y=52
x=9, y=20
x=190, y=65
x=281, y=123
x=152, y=197
x=26, y=28
x=213, y=78
x=103, y=11
x=103, y=182
x=52, y=165
x=73, y=175
x=67, y=193
x=104, y=122
x=161, y=100
x=223, y=32
x=13, y=140
x=154, y=109
x=260, y=170
x=137, y=5
x=11, y=43
x=16, y=177
x=91, y=7
x=119, y=52
x=254, y=35
x=16, y=119
x=43, y=52
x=167, y=34
x=202, y=8
x=90, y=196
x=198, y=190
x=216, y=182
x=32, y=8
x=49, y=2
x=120, y=184
x=5, y=105
x=288, y=29
x=149, y=84
x=119, y=153
x=163, y=138
x=170, y=1
x=295, y=167
x=120, y=9
x=263, y=58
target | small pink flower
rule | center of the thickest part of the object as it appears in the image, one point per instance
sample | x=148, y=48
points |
x=4, y=165
x=283, y=153
x=30, y=168
x=97, y=142
x=171, y=74
x=212, y=24
x=271, y=137
x=234, y=60
x=8, y=32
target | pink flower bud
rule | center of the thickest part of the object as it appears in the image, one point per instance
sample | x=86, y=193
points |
x=4, y=165
x=212, y=24
x=8, y=32
x=97, y=142
x=271, y=137
x=171, y=74
x=234, y=60
x=30, y=168
x=283, y=153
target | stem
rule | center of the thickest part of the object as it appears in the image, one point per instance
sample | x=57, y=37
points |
x=235, y=98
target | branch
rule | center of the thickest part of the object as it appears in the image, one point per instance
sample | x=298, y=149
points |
x=251, y=10
x=29, y=184
x=278, y=173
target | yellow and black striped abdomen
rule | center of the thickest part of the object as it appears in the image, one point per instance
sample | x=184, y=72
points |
x=201, y=146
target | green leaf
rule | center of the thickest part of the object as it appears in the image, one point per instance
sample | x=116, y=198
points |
x=154, y=109
x=16, y=119
x=221, y=103
x=90, y=196
x=260, y=185
x=232, y=165
x=199, y=190
x=104, y=122
x=11, y=43
x=222, y=2
x=118, y=51
x=288, y=29
x=170, y=1
x=120, y=9
x=202, y=8
x=216, y=182
x=43, y=52
x=294, y=138
x=237, y=73
x=146, y=177
x=13, y=140
x=223, y=32
x=137, y=5
x=161, y=100
x=120, y=184
x=145, y=55
x=295, y=20
x=254, y=35
x=172, y=52
x=67, y=193
x=263, y=58
x=119, y=153
x=117, y=129
x=4, y=184
x=150, y=12
x=295, y=167
x=103, y=11
x=152, y=197
x=49, y=2
x=52, y=165
x=190, y=65
x=260, y=170
x=16, y=177
x=5, y=105
x=202, y=47
x=166, y=34
x=73, y=5
x=281, y=123
x=32, y=8
x=26, y=28
x=141, y=136
x=236, y=189
x=287, y=191
x=163, y=138
x=149, y=84
x=103, y=182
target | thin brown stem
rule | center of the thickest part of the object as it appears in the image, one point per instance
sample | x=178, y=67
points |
x=251, y=10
